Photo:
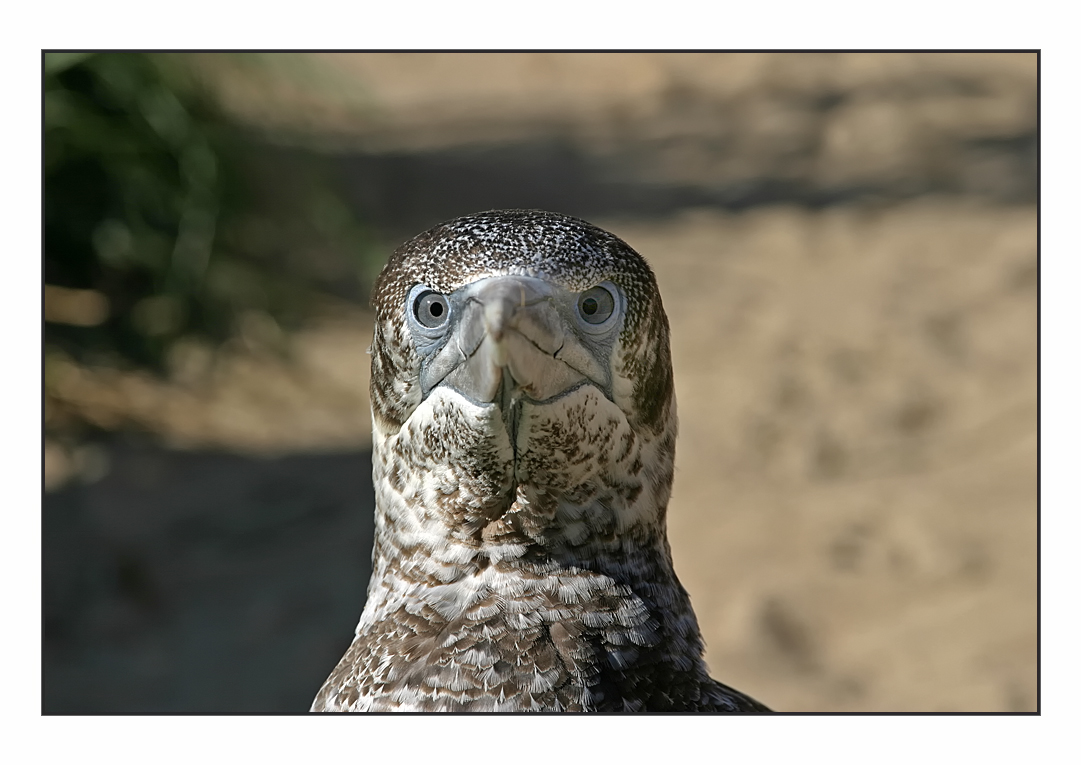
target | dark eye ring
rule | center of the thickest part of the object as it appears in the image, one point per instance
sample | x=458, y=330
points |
x=596, y=305
x=431, y=309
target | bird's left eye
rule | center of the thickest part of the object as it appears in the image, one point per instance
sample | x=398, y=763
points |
x=431, y=309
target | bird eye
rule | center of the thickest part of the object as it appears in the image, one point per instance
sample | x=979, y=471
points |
x=596, y=305
x=431, y=309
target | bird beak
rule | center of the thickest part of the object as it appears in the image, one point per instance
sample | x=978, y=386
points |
x=513, y=339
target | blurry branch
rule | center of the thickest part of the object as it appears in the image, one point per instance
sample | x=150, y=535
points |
x=162, y=220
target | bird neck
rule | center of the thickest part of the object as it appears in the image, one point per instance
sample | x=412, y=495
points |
x=484, y=547
x=575, y=485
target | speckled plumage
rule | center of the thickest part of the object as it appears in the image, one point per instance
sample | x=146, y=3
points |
x=521, y=560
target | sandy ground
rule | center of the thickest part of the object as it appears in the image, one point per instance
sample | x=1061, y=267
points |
x=855, y=505
x=854, y=512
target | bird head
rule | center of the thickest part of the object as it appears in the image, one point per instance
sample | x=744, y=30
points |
x=521, y=386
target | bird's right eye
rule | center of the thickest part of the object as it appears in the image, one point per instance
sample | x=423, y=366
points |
x=431, y=309
x=596, y=305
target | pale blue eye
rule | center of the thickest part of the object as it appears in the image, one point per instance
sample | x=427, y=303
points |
x=431, y=309
x=596, y=305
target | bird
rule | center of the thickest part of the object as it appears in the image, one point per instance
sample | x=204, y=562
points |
x=524, y=431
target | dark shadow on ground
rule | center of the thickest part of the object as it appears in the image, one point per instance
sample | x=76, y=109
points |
x=202, y=583
x=409, y=192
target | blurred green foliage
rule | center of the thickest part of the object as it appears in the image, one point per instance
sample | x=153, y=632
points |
x=181, y=220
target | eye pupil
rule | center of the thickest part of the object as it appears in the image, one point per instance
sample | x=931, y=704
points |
x=435, y=309
x=589, y=306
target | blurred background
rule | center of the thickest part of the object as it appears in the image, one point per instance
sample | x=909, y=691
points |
x=846, y=249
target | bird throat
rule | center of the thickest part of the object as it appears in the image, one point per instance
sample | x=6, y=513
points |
x=509, y=401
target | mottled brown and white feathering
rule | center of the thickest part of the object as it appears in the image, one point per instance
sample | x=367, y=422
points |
x=524, y=437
